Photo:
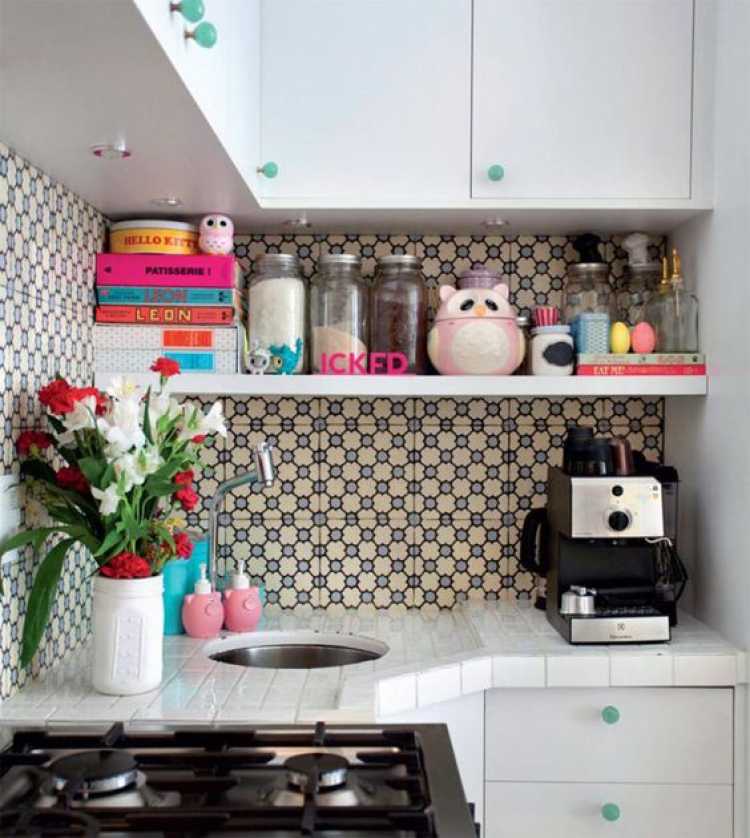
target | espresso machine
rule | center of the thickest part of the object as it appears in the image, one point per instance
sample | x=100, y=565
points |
x=612, y=575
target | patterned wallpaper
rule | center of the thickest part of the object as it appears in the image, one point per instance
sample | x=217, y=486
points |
x=48, y=237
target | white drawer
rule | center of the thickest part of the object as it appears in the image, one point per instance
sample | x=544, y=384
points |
x=543, y=810
x=666, y=735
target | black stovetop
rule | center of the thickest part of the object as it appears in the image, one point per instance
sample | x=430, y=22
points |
x=257, y=781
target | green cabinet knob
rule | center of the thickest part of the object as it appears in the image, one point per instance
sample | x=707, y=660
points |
x=191, y=10
x=269, y=169
x=611, y=715
x=611, y=812
x=204, y=34
x=496, y=172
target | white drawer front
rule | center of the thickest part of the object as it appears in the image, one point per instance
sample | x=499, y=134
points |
x=544, y=810
x=664, y=735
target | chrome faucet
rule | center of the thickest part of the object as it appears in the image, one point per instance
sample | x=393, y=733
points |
x=262, y=475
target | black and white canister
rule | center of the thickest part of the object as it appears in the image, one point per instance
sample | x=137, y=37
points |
x=552, y=351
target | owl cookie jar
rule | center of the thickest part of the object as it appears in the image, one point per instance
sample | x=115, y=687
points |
x=475, y=333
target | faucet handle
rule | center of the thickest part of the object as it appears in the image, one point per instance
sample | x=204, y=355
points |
x=264, y=463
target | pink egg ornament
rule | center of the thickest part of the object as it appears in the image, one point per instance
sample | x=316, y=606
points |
x=643, y=338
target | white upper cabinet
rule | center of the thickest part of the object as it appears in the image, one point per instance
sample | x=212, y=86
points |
x=366, y=102
x=582, y=99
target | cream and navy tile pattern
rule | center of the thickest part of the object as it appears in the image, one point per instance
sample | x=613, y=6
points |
x=48, y=238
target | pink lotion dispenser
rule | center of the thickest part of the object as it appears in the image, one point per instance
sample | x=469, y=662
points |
x=242, y=605
x=202, y=611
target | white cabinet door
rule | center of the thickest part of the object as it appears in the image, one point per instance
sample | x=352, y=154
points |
x=560, y=810
x=582, y=99
x=367, y=102
x=664, y=735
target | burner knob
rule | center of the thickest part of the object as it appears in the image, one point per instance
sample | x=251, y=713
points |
x=619, y=521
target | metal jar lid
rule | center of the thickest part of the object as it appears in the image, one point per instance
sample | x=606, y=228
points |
x=589, y=270
x=283, y=261
x=349, y=260
x=400, y=260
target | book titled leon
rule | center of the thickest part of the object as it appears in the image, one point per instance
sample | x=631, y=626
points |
x=153, y=269
x=174, y=315
x=665, y=363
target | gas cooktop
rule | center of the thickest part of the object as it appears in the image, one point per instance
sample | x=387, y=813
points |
x=265, y=781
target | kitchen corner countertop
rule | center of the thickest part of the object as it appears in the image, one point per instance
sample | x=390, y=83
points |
x=434, y=657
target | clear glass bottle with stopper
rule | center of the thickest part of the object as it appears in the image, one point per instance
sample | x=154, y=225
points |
x=673, y=311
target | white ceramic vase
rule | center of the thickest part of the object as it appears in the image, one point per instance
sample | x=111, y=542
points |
x=128, y=629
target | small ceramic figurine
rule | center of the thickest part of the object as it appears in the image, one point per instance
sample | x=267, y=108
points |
x=216, y=235
x=284, y=360
x=257, y=359
x=475, y=333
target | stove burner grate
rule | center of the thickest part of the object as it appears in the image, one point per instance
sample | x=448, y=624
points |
x=46, y=823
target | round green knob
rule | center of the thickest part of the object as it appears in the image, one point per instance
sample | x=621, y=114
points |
x=204, y=34
x=496, y=172
x=611, y=715
x=611, y=812
x=192, y=10
x=269, y=169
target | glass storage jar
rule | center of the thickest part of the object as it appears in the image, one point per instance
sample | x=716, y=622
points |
x=588, y=306
x=277, y=308
x=638, y=286
x=398, y=315
x=339, y=306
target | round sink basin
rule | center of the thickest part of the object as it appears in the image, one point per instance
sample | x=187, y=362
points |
x=295, y=650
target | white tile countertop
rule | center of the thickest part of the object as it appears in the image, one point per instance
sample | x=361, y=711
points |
x=432, y=657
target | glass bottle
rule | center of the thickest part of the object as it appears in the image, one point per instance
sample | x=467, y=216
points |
x=339, y=307
x=277, y=308
x=673, y=311
x=588, y=306
x=398, y=314
x=638, y=286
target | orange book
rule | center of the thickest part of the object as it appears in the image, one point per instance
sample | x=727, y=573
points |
x=170, y=315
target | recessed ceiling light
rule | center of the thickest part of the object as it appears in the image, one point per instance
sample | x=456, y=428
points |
x=114, y=151
x=494, y=222
x=167, y=202
x=297, y=223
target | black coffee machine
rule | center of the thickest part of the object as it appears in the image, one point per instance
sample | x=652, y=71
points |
x=612, y=575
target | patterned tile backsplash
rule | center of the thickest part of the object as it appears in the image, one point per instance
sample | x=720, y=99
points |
x=48, y=238
x=387, y=502
x=399, y=502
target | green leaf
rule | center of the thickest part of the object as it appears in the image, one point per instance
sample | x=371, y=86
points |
x=39, y=471
x=21, y=539
x=114, y=537
x=146, y=420
x=42, y=595
x=94, y=470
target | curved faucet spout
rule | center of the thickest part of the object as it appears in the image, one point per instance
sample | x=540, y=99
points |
x=261, y=476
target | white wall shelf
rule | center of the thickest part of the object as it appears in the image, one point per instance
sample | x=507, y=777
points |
x=424, y=386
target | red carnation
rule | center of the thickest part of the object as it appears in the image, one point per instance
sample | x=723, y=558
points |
x=198, y=439
x=183, y=546
x=32, y=442
x=126, y=566
x=57, y=397
x=184, y=478
x=166, y=367
x=187, y=498
x=68, y=477
x=79, y=393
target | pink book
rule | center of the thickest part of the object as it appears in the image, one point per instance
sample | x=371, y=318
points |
x=164, y=270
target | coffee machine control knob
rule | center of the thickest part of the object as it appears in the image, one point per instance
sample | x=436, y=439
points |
x=619, y=520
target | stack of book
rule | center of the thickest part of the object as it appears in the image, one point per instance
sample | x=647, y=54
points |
x=182, y=307
x=685, y=363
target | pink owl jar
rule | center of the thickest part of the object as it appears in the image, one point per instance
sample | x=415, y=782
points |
x=216, y=235
x=475, y=333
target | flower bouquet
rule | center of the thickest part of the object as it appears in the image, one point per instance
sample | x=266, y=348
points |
x=127, y=477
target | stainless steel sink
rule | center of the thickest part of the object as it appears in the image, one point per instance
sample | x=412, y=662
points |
x=296, y=650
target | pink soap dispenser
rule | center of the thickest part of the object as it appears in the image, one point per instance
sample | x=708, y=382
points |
x=242, y=605
x=202, y=612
